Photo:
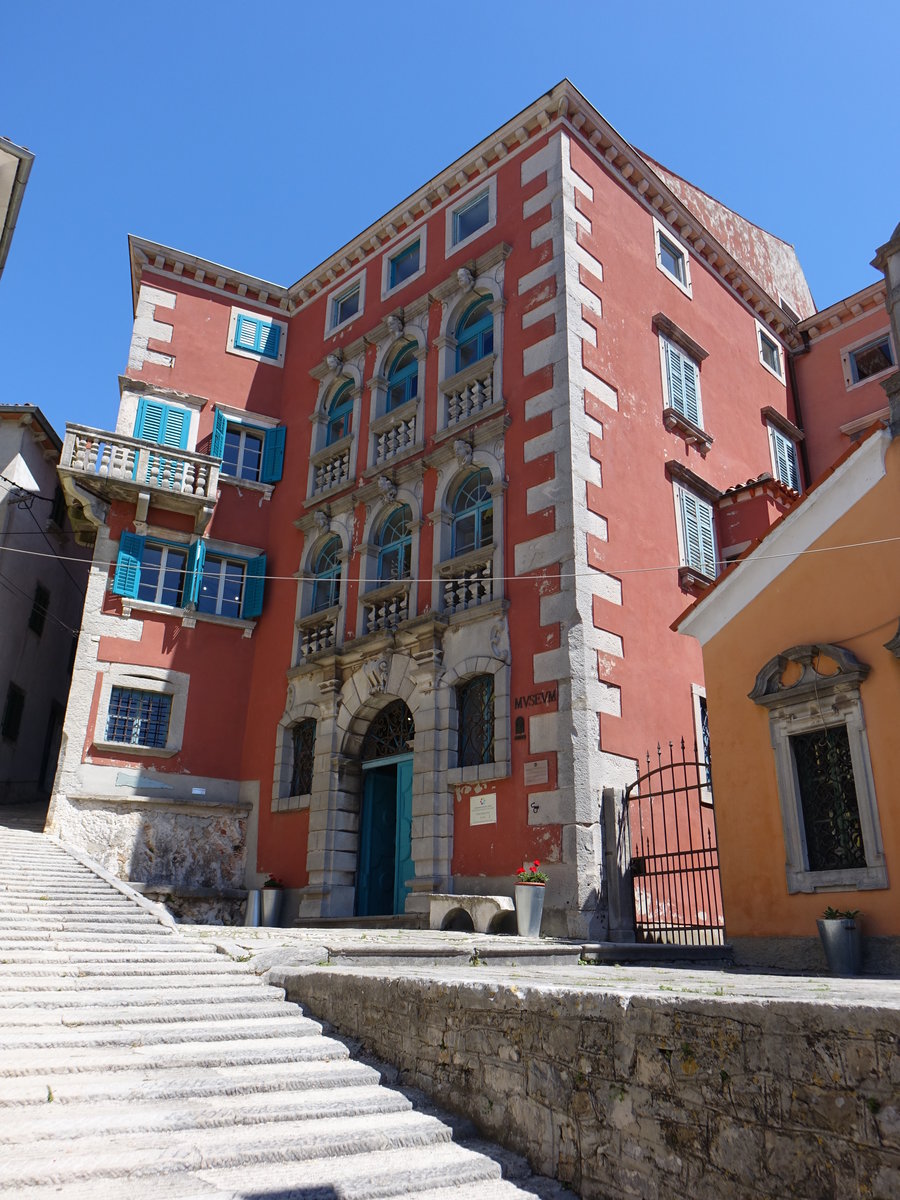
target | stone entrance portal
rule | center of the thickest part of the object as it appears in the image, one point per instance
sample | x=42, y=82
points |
x=385, y=864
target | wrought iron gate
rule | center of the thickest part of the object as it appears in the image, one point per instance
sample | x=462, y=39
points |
x=674, y=855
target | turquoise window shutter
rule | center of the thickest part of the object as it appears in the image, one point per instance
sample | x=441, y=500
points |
x=273, y=455
x=127, y=577
x=269, y=339
x=261, y=337
x=220, y=426
x=786, y=460
x=176, y=429
x=150, y=419
x=691, y=391
x=674, y=378
x=162, y=424
x=683, y=383
x=194, y=572
x=707, y=540
x=245, y=333
x=698, y=534
x=253, y=587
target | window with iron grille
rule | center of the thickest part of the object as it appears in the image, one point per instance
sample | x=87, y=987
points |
x=39, y=607
x=303, y=739
x=391, y=733
x=12, y=713
x=475, y=712
x=137, y=718
x=828, y=799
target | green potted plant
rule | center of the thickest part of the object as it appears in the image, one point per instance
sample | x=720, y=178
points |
x=530, y=884
x=841, y=935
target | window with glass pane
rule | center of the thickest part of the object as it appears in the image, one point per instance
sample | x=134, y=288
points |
x=475, y=711
x=828, y=799
x=474, y=334
x=327, y=570
x=242, y=453
x=771, y=356
x=404, y=264
x=403, y=377
x=345, y=306
x=473, y=513
x=138, y=718
x=162, y=574
x=394, y=542
x=340, y=415
x=470, y=217
x=871, y=359
x=303, y=740
x=671, y=259
x=221, y=587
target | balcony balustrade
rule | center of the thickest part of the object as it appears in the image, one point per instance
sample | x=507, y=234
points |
x=317, y=632
x=385, y=608
x=469, y=582
x=469, y=393
x=122, y=464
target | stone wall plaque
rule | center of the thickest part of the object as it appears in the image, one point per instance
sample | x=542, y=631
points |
x=483, y=809
x=536, y=772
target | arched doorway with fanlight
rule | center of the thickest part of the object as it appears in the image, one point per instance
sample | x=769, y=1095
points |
x=385, y=863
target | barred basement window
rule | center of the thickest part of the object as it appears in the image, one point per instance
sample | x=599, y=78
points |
x=138, y=718
x=303, y=739
x=828, y=799
x=475, y=710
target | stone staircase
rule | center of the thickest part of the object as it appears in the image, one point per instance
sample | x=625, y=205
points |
x=138, y=1062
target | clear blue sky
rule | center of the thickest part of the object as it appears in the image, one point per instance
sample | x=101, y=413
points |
x=266, y=135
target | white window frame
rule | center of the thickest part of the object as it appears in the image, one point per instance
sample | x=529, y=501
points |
x=166, y=548
x=686, y=564
x=143, y=679
x=489, y=185
x=860, y=344
x=660, y=230
x=243, y=430
x=223, y=558
x=268, y=319
x=339, y=293
x=419, y=235
x=774, y=435
x=763, y=333
x=664, y=367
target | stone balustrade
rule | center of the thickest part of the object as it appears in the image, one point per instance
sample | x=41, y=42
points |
x=468, y=394
x=384, y=612
x=331, y=470
x=469, y=582
x=115, y=457
x=395, y=437
x=318, y=632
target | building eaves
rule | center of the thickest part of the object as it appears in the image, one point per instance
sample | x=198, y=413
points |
x=867, y=300
x=15, y=167
x=564, y=104
x=30, y=414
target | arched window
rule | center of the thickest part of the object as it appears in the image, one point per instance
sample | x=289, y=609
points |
x=394, y=543
x=327, y=570
x=475, y=333
x=403, y=377
x=340, y=413
x=473, y=513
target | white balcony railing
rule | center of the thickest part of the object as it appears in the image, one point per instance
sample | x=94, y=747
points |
x=394, y=437
x=317, y=632
x=331, y=470
x=384, y=609
x=118, y=458
x=468, y=583
x=469, y=394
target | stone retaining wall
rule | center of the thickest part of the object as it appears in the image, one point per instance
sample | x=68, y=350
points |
x=642, y=1096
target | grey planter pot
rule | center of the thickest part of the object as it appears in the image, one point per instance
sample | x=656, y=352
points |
x=270, y=903
x=529, y=908
x=251, y=912
x=842, y=943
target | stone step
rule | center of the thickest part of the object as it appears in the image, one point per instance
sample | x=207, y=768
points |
x=176, y=1083
x=287, y=1024
x=406, y=1172
x=209, y=993
x=15, y=984
x=126, y=971
x=63, y=920
x=43, y=957
x=70, y=1121
x=172, y=1012
x=63, y=940
x=135, y=1154
x=113, y=905
x=302, y=1047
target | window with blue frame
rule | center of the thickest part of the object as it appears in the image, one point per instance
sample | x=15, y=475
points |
x=394, y=543
x=137, y=718
x=470, y=217
x=162, y=424
x=403, y=377
x=257, y=335
x=340, y=414
x=327, y=571
x=183, y=576
x=475, y=333
x=345, y=306
x=246, y=451
x=473, y=513
x=404, y=264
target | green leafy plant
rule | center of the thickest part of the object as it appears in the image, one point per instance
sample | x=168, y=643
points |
x=532, y=874
x=272, y=882
x=840, y=914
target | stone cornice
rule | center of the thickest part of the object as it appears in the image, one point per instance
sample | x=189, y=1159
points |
x=564, y=105
x=868, y=300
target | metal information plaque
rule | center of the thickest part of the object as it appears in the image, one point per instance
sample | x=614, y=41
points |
x=483, y=809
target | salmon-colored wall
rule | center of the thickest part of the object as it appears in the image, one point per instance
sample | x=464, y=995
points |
x=827, y=403
x=850, y=598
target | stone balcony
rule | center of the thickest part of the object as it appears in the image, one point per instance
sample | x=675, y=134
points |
x=115, y=466
x=468, y=580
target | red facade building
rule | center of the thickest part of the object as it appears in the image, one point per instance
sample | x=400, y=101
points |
x=385, y=561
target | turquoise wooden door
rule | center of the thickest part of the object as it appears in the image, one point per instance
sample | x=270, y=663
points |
x=385, y=839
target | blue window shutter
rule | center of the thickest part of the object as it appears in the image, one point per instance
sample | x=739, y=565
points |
x=257, y=335
x=273, y=455
x=194, y=572
x=707, y=539
x=151, y=415
x=786, y=460
x=217, y=448
x=246, y=332
x=691, y=391
x=269, y=339
x=176, y=429
x=253, y=587
x=127, y=577
x=674, y=379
